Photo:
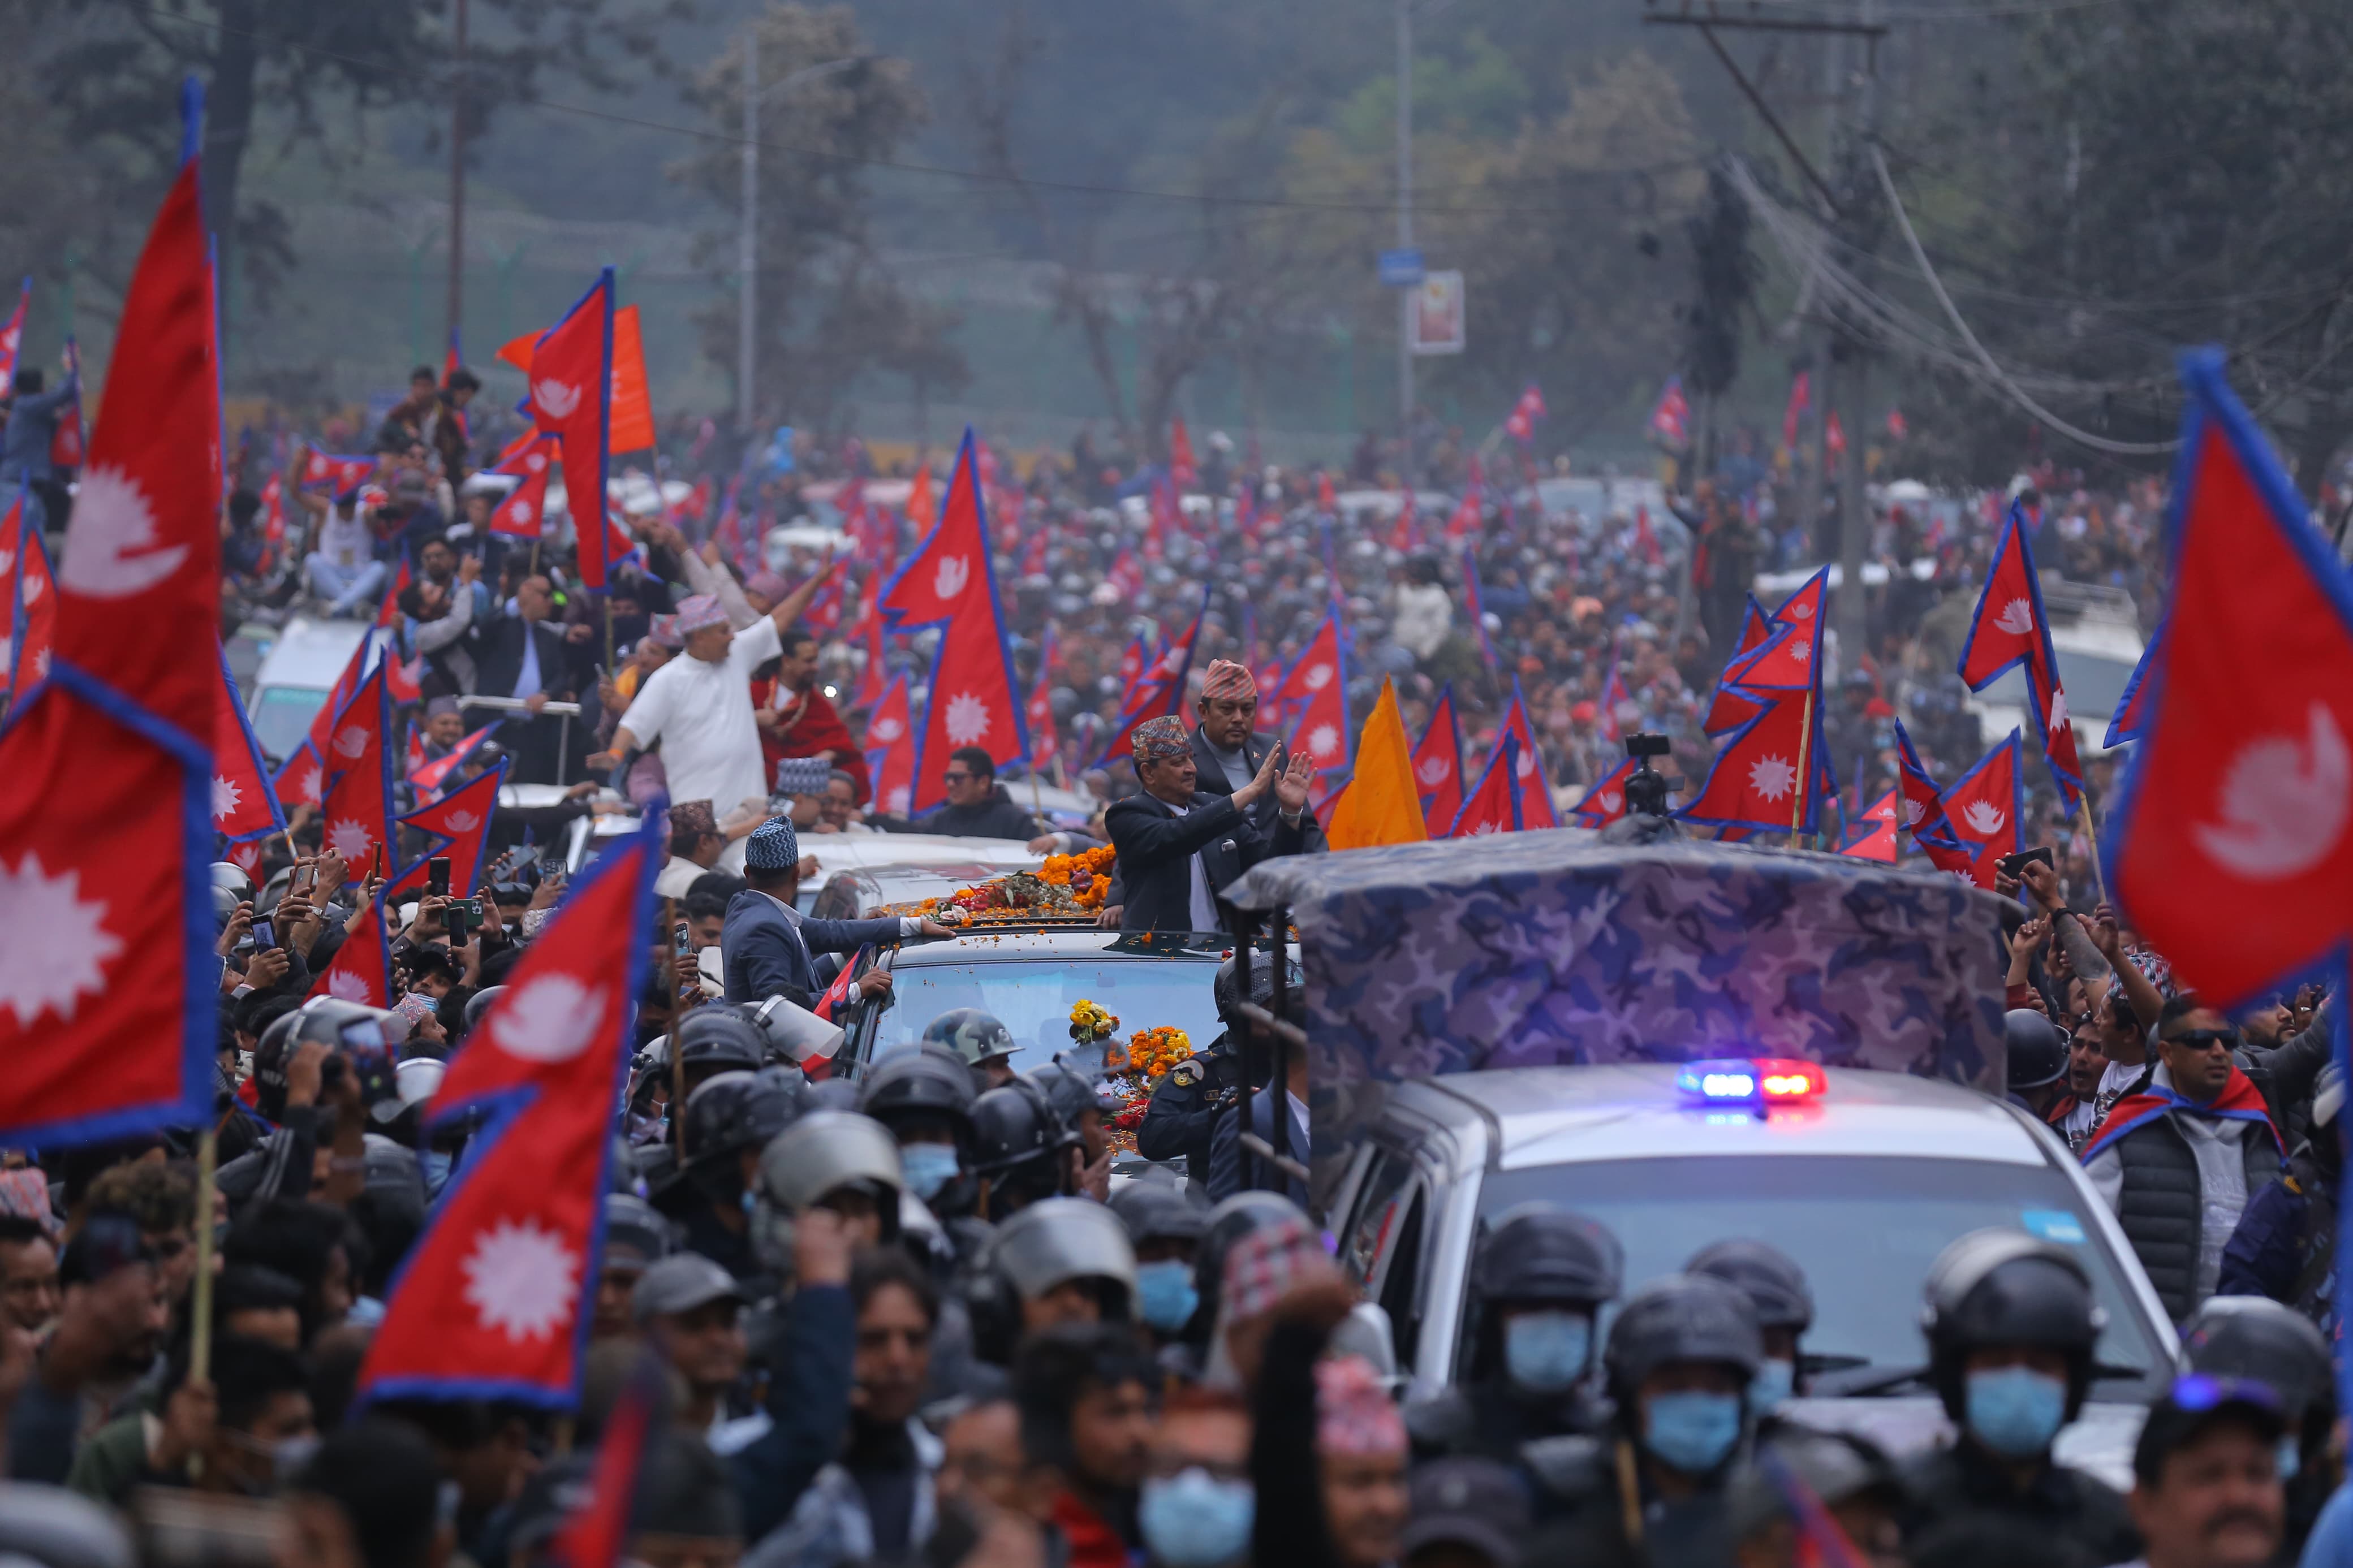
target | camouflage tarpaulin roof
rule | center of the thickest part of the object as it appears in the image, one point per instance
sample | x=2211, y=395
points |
x=1531, y=949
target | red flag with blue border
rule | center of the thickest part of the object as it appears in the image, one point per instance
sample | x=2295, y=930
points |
x=1438, y=765
x=572, y=397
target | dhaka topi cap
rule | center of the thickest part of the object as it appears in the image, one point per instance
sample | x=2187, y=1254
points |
x=664, y=630
x=772, y=847
x=1353, y=1413
x=1225, y=681
x=767, y=585
x=1157, y=739
x=697, y=611
x=691, y=821
x=440, y=705
x=1264, y=1265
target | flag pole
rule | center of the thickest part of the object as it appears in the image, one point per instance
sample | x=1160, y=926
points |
x=2084, y=811
x=1803, y=789
x=669, y=1047
x=200, y=1304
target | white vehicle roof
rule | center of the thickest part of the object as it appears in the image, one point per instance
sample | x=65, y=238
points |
x=310, y=654
x=1874, y=574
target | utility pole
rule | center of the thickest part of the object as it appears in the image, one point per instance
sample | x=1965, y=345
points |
x=747, y=245
x=1405, y=239
x=458, y=175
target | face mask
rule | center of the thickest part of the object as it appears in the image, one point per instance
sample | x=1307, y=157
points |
x=1195, y=1521
x=436, y=1167
x=2016, y=1411
x=928, y=1167
x=1774, y=1382
x=1165, y=1294
x=289, y=1455
x=1694, y=1431
x=1545, y=1353
x=2290, y=1461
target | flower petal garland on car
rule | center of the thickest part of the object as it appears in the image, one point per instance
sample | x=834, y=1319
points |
x=1066, y=888
x=1134, y=1071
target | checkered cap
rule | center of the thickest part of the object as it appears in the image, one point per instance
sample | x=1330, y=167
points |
x=1264, y=1265
x=1354, y=1413
x=772, y=847
x=1227, y=680
x=1157, y=739
x=697, y=611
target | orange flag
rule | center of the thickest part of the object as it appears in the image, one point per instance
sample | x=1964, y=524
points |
x=633, y=406
x=1382, y=805
x=922, y=510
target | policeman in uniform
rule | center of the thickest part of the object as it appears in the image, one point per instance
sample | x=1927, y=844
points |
x=2262, y=1340
x=985, y=1044
x=2011, y=1325
x=1183, y=1114
x=1063, y=1260
x=729, y=1119
x=1776, y=1287
x=1020, y=1150
x=1540, y=1281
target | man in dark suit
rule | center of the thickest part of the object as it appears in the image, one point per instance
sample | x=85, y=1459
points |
x=1228, y=754
x=768, y=948
x=1178, y=849
x=525, y=655
x=1229, y=1171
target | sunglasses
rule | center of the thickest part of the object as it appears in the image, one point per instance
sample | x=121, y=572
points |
x=954, y=777
x=2204, y=1039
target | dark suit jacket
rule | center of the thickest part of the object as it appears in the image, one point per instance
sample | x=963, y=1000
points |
x=537, y=744
x=1210, y=779
x=1156, y=854
x=764, y=954
x=1226, y=1163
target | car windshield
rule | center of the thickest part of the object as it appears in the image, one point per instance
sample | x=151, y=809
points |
x=282, y=715
x=2095, y=684
x=1032, y=996
x=1865, y=1230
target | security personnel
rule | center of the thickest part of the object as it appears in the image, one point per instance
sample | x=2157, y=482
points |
x=1650, y=1489
x=1063, y=1260
x=924, y=1096
x=2038, y=1066
x=1776, y=1287
x=1165, y=1225
x=1537, y=1286
x=2011, y=1325
x=835, y=1160
x=729, y=1119
x=985, y=1044
x=1020, y=1150
x=2276, y=1345
x=1183, y=1114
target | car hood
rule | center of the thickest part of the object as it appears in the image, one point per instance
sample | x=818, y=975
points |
x=2098, y=1442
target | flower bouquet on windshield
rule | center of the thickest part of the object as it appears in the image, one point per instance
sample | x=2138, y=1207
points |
x=1066, y=888
x=1132, y=1071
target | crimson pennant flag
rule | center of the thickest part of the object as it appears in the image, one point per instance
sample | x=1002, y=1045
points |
x=1530, y=778
x=1043, y=739
x=357, y=809
x=1125, y=576
x=1326, y=500
x=2008, y=630
x=108, y=984
x=339, y=696
x=1922, y=805
x=429, y=777
x=387, y=611
x=2228, y=850
x=521, y=512
x=1181, y=467
x=594, y=1531
x=1801, y=399
x=1984, y=806
x=1671, y=419
x=1605, y=803
x=1465, y=522
x=12, y=335
x=361, y=970
x=1164, y=517
x=949, y=582
x=1160, y=691
x=1789, y=659
x=1727, y=709
x=300, y=779
x=343, y=476
x=457, y=826
x=1405, y=534
x=572, y=397
x=1131, y=668
x=244, y=807
x=1754, y=782
x=875, y=672
x=1646, y=538
x=1493, y=805
x=12, y=526
x=1877, y=840
x=1615, y=701
x=1521, y=423
x=496, y=1298
x=2132, y=708
x=273, y=520
x=1438, y=765
x=1246, y=510
x=891, y=748
x=36, y=597
x=1478, y=611
x=67, y=443
x=1316, y=691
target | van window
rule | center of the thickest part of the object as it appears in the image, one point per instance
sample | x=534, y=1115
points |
x=1379, y=1206
x=1400, y=1292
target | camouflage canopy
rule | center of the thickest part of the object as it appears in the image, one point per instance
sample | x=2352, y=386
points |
x=1542, y=948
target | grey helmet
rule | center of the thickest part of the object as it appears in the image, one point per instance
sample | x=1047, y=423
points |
x=1157, y=1211
x=728, y=1113
x=1539, y=1252
x=479, y=1003
x=930, y=1082
x=1774, y=1285
x=635, y=1233
x=231, y=876
x=1681, y=1317
x=2267, y=1340
x=971, y=1034
x=823, y=1151
x=1998, y=1287
x=1068, y=1093
x=1056, y=1240
x=722, y=1039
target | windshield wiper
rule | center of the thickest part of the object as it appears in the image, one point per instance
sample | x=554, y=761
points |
x=1861, y=1380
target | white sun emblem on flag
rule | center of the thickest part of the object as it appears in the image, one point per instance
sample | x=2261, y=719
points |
x=461, y=821
x=1772, y=777
x=1801, y=650
x=953, y=574
x=1433, y=770
x=897, y=799
x=1524, y=763
x=551, y=1020
x=349, y=838
x=1984, y=817
x=41, y=664
x=1801, y=611
x=346, y=986
x=1609, y=801
x=32, y=588
x=2017, y=617
x=1324, y=741
x=556, y=398
x=1911, y=811
x=519, y=512
x=53, y=945
x=350, y=740
x=886, y=730
x=967, y=719
x=110, y=550
x=227, y=798
x=306, y=786
x=520, y=1279
x=1318, y=677
x=535, y=462
x=2058, y=708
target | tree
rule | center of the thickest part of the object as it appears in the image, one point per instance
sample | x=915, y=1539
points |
x=828, y=307
x=1725, y=274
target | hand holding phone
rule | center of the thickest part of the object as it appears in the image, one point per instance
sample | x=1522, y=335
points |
x=436, y=875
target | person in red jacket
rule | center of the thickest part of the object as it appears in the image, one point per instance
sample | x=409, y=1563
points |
x=797, y=718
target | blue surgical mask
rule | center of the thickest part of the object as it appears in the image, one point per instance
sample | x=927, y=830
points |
x=1193, y=1520
x=434, y=1164
x=1774, y=1382
x=1165, y=1294
x=1693, y=1431
x=1545, y=1353
x=2290, y=1461
x=928, y=1167
x=2016, y=1411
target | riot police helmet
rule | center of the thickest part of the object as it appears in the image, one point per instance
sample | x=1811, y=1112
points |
x=1069, y=1094
x=2037, y=1054
x=1539, y=1252
x=727, y=1114
x=719, y=1039
x=636, y=1234
x=479, y=1003
x=1681, y=1317
x=2001, y=1289
x=1156, y=1211
x=2267, y=1340
x=827, y=1151
x=974, y=1035
x=1776, y=1287
x=1053, y=1242
x=929, y=1084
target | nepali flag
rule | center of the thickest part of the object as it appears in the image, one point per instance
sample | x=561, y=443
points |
x=2229, y=849
x=922, y=510
x=1316, y=689
x=1405, y=534
x=1615, y=699
x=321, y=733
x=1984, y=806
x=1802, y=397
x=387, y=610
x=495, y=1300
x=1877, y=840
x=1161, y=690
x=1605, y=803
x=34, y=595
x=1922, y=804
x=1465, y=522
x=1478, y=611
x=597, y=1529
x=361, y=970
x=1493, y=805
x=243, y=805
x=1131, y=668
x=2132, y=708
x=1165, y=517
x=891, y=748
x=12, y=527
x=2007, y=630
x=1438, y=767
x=429, y=777
x=1646, y=538
x=572, y=397
x=1521, y=423
x=109, y=984
x=1671, y=419
x=1530, y=778
x=521, y=512
x=342, y=476
x=67, y=442
x=358, y=806
x=12, y=336
x=1326, y=500
x=1181, y=469
x=1754, y=780
x=875, y=671
x=1789, y=659
x=1833, y=434
x=1044, y=741
x=457, y=826
x=1727, y=709
x=949, y=582
x=273, y=520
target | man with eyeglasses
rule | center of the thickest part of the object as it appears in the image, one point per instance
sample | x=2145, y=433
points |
x=977, y=807
x=2177, y=1162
